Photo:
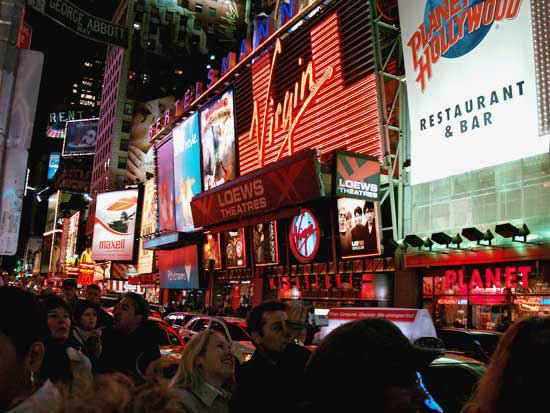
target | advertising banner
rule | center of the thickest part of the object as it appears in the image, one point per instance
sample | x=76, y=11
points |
x=115, y=220
x=211, y=251
x=179, y=268
x=304, y=236
x=80, y=137
x=358, y=228
x=141, y=160
x=357, y=176
x=51, y=213
x=21, y=109
x=235, y=248
x=165, y=176
x=72, y=237
x=464, y=114
x=288, y=182
x=148, y=226
x=218, y=142
x=266, y=250
x=187, y=170
x=53, y=164
x=82, y=23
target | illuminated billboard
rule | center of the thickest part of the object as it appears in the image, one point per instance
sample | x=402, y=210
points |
x=357, y=176
x=218, y=142
x=211, y=251
x=187, y=170
x=148, y=226
x=179, y=268
x=235, y=248
x=51, y=213
x=53, y=164
x=58, y=121
x=464, y=114
x=266, y=249
x=358, y=231
x=165, y=177
x=304, y=236
x=80, y=137
x=115, y=220
x=72, y=236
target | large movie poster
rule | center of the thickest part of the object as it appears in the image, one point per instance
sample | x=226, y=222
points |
x=165, y=170
x=80, y=137
x=179, y=268
x=218, y=142
x=465, y=112
x=72, y=236
x=187, y=170
x=51, y=213
x=266, y=250
x=235, y=248
x=211, y=251
x=115, y=221
x=358, y=228
x=148, y=226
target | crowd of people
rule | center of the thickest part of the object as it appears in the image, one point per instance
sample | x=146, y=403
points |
x=65, y=354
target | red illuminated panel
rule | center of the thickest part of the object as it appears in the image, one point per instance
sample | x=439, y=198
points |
x=327, y=115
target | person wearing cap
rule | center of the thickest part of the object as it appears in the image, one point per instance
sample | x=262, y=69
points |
x=131, y=343
x=367, y=363
x=272, y=380
x=69, y=292
x=21, y=356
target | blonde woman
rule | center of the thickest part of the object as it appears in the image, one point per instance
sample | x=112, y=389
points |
x=206, y=370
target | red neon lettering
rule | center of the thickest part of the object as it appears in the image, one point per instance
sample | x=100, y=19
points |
x=450, y=279
x=461, y=284
x=492, y=278
x=510, y=277
x=524, y=271
x=475, y=280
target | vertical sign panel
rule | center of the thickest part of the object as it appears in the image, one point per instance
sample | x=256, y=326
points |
x=165, y=174
x=148, y=226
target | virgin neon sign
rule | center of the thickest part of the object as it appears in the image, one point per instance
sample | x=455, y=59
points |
x=286, y=114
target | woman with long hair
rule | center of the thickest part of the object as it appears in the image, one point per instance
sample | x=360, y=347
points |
x=64, y=363
x=85, y=331
x=205, y=373
x=512, y=382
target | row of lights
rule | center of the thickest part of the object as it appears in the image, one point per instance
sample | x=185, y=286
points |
x=506, y=230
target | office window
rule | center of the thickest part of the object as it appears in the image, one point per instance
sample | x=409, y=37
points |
x=210, y=28
x=198, y=8
x=212, y=11
x=153, y=28
x=121, y=163
x=126, y=126
x=124, y=145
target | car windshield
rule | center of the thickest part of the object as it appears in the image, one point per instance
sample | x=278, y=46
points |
x=488, y=342
x=237, y=333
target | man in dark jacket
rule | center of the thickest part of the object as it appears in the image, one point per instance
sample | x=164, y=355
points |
x=132, y=342
x=272, y=380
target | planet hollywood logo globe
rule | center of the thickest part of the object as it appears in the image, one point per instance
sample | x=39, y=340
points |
x=470, y=40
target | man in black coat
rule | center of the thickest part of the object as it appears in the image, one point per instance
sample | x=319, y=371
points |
x=132, y=342
x=273, y=379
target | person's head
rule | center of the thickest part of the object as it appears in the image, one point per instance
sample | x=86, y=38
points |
x=358, y=216
x=21, y=350
x=512, y=381
x=342, y=219
x=266, y=324
x=369, y=363
x=85, y=315
x=56, y=316
x=130, y=312
x=93, y=293
x=89, y=137
x=206, y=358
x=69, y=288
x=369, y=214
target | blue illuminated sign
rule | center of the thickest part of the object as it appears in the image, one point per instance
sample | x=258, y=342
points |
x=53, y=165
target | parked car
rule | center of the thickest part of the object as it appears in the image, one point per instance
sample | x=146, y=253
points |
x=170, y=336
x=451, y=380
x=234, y=329
x=477, y=344
x=179, y=319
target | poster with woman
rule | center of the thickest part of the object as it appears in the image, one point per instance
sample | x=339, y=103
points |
x=211, y=251
x=266, y=251
x=218, y=142
x=80, y=137
x=235, y=249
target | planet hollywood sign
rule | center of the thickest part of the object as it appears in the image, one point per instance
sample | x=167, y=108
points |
x=510, y=276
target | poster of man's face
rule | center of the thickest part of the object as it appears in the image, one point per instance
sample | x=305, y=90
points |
x=234, y=244
x=80, y=137
x=218, y=142
x=140, y=165
x=358, y=228
x=264, y=237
